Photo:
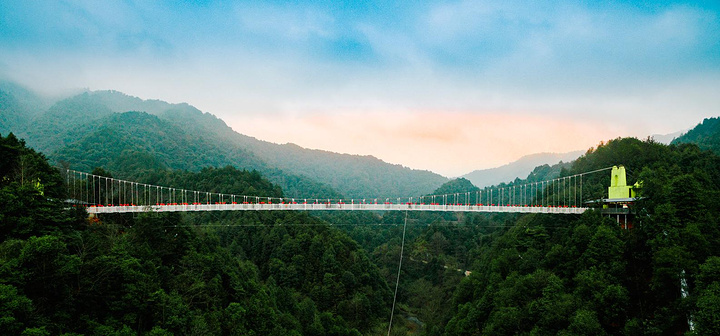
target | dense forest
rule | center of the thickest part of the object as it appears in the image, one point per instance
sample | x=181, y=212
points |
x=569, y=275
x=63, y=272
x=706, y=135
x=550, y=275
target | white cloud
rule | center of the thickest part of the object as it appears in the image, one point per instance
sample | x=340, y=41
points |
x=623, y=69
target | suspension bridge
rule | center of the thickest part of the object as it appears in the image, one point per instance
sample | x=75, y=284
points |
x=103, y=195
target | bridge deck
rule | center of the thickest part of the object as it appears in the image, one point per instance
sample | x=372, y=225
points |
x=334, y=206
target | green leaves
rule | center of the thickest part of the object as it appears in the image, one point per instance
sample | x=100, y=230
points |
x=156, y=274
x=15, y=309
x=708, y=310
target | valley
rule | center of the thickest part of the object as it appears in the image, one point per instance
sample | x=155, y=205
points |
x=333, y=273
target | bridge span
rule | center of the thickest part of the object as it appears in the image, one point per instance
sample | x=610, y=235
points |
x=106, y=195
x=334, y=206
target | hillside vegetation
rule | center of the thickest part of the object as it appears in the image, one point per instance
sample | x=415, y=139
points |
x=560, y=275
x=62, y=273
x=327, y=273
x=706, y=135
x=261, y=272
x=567, y=275
x=94, y=128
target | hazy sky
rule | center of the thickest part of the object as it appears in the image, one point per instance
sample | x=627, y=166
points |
x=449, y=86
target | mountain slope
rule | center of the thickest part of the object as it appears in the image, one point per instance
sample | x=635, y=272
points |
x=567, y=275
x=706, y=135
x=518, y=169
x=135, y=145
x=11, y=113
x=121, y=135
x=84, y=122
x=18, y=106
x=352, y=175
x=359, y=176
x=241, y=273
x=64, y=122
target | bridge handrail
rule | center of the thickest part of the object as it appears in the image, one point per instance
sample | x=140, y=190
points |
x=130, y=194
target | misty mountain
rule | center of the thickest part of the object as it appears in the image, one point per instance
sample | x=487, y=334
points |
x=518, y=169
x=667, y=139
x=64, y=122
x=112, y=141
x=84, y=132
x=354, y=176
x=94, y=129
x=18, y=106
x=137, y=144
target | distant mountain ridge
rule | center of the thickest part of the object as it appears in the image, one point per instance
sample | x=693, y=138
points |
x=96, y=128
x=706, y=135
x=354, y=176
x=667, y=139
x=518, y=169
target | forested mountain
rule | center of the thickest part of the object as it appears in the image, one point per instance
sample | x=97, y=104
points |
x=586, y=276
x=83, y=132
x=64, y=122
x=566, y=275
x=135, y=144
x=63, y=273
x=18, y=106
x=458, y=185
x=706, y=135
x=85, y=121
x=122, y=138
x=327, y=273
x=355, y=176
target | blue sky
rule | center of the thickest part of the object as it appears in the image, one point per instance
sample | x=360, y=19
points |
x=449, y=86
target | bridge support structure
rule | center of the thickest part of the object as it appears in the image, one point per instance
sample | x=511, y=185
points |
x=102, y=195
x=332, y=207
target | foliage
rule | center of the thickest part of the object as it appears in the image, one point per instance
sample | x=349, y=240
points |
x=93, y=129
x=458, y=185
x=706, y=135
x=291, y=273
x=31, y=192
x=256, y=274
x=18, y=106
x=567, y=276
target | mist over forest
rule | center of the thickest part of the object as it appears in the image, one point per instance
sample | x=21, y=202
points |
x=66, y=272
